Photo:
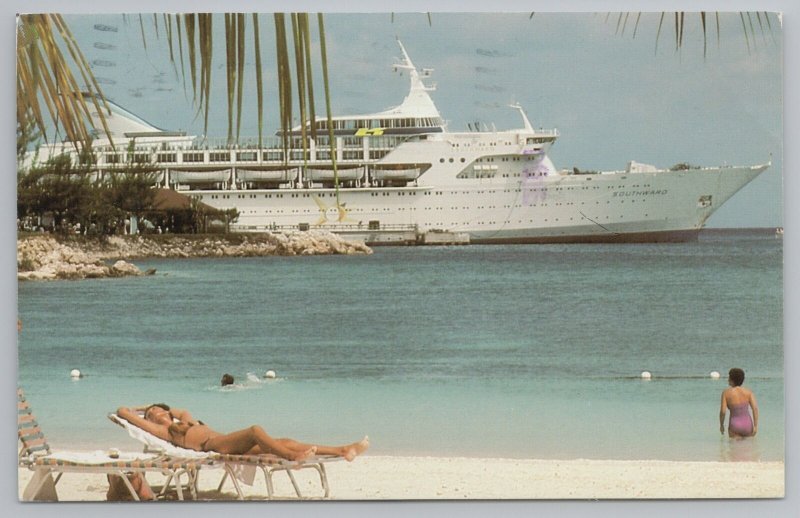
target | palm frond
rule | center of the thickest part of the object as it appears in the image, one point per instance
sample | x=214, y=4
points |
x=259, y=78
x=284, y=80
x=240, y=59
x=324, y=58
x=300, y=71
x=189, y=21
x=309, y=80
x=635, y=27
x=230, y=64
x=658, y=32
x=705, y=42
x=141, y=29
x=45, y=73
x=746, y=37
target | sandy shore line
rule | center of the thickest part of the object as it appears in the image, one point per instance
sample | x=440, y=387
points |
x=429, y=478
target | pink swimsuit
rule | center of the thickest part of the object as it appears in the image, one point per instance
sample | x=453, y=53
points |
x=741, y=423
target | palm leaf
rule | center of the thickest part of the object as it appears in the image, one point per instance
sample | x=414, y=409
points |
x=746, y=37
x=240, y=59
x=230, y=41
x=259, y=79
x=299, y=56
x=324, y=58
x=310, y=83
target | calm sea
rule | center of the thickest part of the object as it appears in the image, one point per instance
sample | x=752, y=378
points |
x=513, y=351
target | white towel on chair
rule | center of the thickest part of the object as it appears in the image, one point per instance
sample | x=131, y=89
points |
x=246, y=473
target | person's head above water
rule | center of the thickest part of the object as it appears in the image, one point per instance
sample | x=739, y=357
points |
x=158, y=413
x=736, y=377
x=227, y=379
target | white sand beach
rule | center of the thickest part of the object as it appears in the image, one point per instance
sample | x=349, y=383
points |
x=431, y=478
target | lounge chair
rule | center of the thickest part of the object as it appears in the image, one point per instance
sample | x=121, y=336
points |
x=239, y=468
x=36, y=455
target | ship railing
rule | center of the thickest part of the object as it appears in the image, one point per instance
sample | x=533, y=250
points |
x=335, y=227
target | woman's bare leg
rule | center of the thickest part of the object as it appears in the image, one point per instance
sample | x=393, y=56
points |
x=349, y=451
x=255, y=439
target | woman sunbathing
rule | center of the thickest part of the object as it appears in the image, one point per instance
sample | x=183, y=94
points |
x=181, y=429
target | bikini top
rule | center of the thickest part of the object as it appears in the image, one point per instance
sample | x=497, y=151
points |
x=177, y=431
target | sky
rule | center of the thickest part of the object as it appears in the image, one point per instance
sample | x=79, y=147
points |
x=613, y=97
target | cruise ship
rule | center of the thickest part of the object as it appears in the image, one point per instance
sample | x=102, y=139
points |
x=400, y=176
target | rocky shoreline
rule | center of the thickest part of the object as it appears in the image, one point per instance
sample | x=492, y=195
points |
x=44, y=257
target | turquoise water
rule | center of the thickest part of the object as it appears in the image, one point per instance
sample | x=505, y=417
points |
x=513, y=351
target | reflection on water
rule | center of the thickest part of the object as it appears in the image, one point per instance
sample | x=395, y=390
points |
x=742, y=449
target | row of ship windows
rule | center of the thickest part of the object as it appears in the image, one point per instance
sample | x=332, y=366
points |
x=543, y=191
x=478, y=144
x=527, y=158
x=248, y=156
x=411, y=209
x=546, y=220
x=252, y=156
x=448, y=223
x=306, y=195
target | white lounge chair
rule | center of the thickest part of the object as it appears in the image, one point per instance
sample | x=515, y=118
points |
x=239, y=468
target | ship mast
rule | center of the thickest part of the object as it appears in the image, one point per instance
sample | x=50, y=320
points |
x=418, y=101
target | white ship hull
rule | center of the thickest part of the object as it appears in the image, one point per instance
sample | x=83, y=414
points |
x=664, y=206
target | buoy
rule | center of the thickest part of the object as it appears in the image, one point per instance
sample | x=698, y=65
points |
x=75, y=374
x=714, y=375
x=646, y=375
x=269, y=374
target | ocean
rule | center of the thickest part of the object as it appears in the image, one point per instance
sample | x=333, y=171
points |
x=477, y=351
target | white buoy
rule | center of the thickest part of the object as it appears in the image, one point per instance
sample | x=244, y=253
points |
x=75, y=374
x=269, y=374
x=646, y=375
x=714, y=375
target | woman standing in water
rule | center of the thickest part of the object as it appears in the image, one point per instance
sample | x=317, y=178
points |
x=740, y=401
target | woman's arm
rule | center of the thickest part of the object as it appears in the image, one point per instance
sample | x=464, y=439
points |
x=754, y=407
x=132, y=416
x=723, y=409
x=183, y=416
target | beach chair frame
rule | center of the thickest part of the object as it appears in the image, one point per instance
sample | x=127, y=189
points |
x=269, y=465
x=35, y=454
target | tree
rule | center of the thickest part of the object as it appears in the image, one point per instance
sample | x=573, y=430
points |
x=56, y=188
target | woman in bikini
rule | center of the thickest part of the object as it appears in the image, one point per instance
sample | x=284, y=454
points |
x=181, y=429
x=740, y=401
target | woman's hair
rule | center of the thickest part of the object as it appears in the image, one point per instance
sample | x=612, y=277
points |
x=227, y=379
x=736, y=376
x=159, y=405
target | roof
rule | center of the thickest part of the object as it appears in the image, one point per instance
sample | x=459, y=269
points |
x=168, y=199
